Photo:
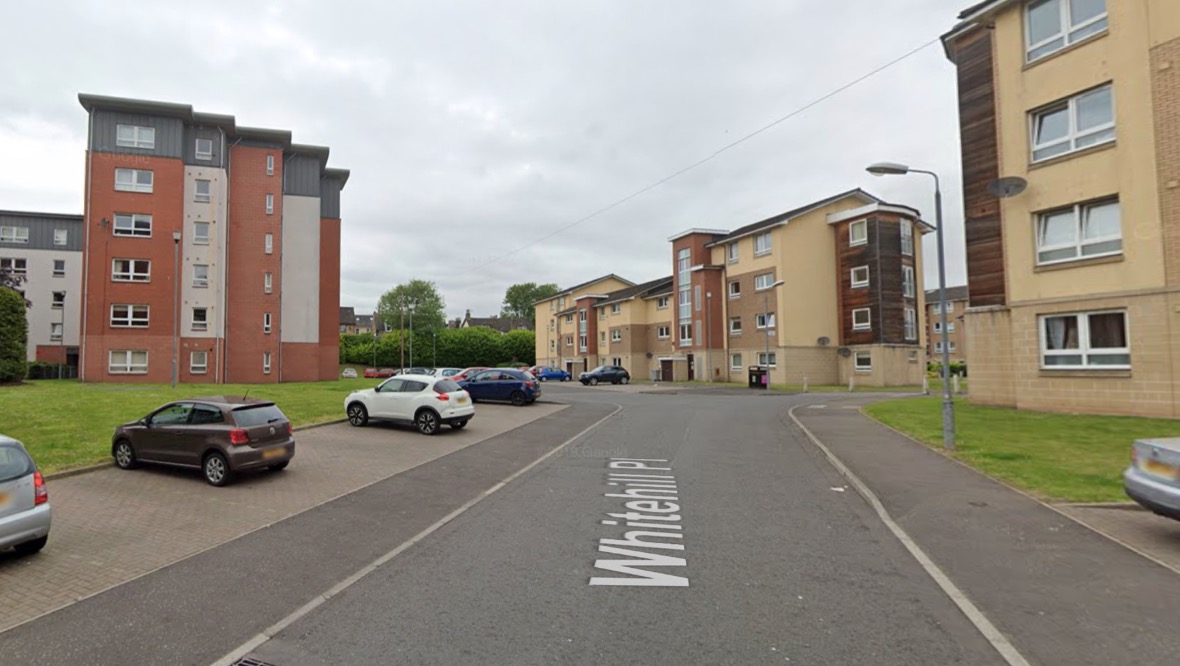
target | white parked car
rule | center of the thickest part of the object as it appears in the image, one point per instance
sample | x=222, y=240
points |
x=25, y=515
x=349, y=373
x=446, y=372
x=424, y=401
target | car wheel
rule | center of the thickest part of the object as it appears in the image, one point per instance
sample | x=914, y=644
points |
x=459, y=425
x=357, y=414
x=30, y=547
x=566, y=379
x=594, y=381
x=125, y=455
x=518, y=398
x=278, y=467
x=544, y=379
x=216, y=469
x=625, y=380
x=427, y=422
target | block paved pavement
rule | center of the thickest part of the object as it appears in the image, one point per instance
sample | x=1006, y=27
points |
x=111, y=525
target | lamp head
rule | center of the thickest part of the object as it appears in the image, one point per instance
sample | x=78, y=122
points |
x=778, y=284
x=888, y=169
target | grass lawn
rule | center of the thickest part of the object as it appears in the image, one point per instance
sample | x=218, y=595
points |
x=1063, y=457
x=66, y=424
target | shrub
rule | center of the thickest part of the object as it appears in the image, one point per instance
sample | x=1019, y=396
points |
x=14, y=336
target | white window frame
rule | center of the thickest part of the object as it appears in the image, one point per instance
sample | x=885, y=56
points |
x=133, y=316
x=761, y=318
x=199, y=238
x=950, y=307
x=198, y=368
x=1081, y=213
x=762, y=244
x=937, y=327
x=200, y=276
x=866, y=325
x=583, y=342
x=735, y=325
x=269, y=243
x=950, y=327
x=267, y=322
x=662, y=303
x=938, y=347
x=862, y=282
x=911, y=324
x=270, y=204
x=132, y=180
x=267, y=282
x=11, y=234
x=1084, y=350
x=569, y=341
x=735, y=361
x=855, y=239
x=1072, y=136
x=685, y=333
x=266, y=363
x=1066, y=35
x=140, y=136
x=200, y=325
x=950, y=347
x=58, y=303
x=203, y=154
x=766, y=279
x=123, y=362
x=601, y=338
x=61, y=237
x=663, y=332
x=735, y=289
x=909, y=287
x=616, y=335
x=858, y=366
x=130, y=225
x=131, y=275
x=55, y=330
x=59, y=272
x=15, y=265
x=270, y=165
x=616, y=308
x=936, y=307
x=732, y=252
x=198, y=195
x=907, y=238
x=763, y=360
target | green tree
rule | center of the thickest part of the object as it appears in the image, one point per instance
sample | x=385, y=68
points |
x=519, y=346
x=421, y=296
x=14, y=336
x=519, y=299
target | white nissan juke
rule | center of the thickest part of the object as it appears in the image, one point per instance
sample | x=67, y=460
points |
x=423, y=401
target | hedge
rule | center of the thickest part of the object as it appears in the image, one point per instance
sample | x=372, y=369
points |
x=456, y=348
x=14, y=336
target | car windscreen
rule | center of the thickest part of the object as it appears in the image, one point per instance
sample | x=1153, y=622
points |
x=248, y=417
x=14, y=463
x=446, y=386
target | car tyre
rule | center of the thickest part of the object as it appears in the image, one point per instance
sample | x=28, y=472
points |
x=30, y=547
x=518, y=398
x=357, y=415
x=278, y=467
x=216, y=469
x=594, y=381
x=566, y=379
x=426, y=422
x=459, y=425
x=125, y=455
x=625, y=380
x=543, y=379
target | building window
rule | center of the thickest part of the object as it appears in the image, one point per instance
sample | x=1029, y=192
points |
x=200, y=319
x=911, y=324
x=133, y=180
x=768, y=360
x=1051, y=25
x=762, y=244
x=270, y=204
x=686, y=334
x=61, y=236
x=1079, y=232
x=763, y=281
x=267, y=282
x=950, y=327
x=583, y=343
x=266, y=362
x=200, y=275
x=552, y=345
x=1085, y=340
x=127, y=362
x=858, y=233
x=204, y=149
x=131, y=270
x=131, y=224
x=907, y=238
x=735, y=326
x=907, y=281
x=266, y=322
x=937, y=347
x=200, y=233
x=270, y=165
x=735, y=289
x=950, y=307
x=617, y=362
x=135, y=136
x=601, y=313
x=129, y=316
x=14, y=234
x=569, y=341
x=602, y=337
x=198, y=363
x=862, y=319
x=59, y=268
x=616, y=308
x=864, y=361
x=204, y=191
x=662, y=303
x=760, y=320
x=616, y=336
x=569, y=319
x=685, y=304
x=735, y=361
x=732, y=250
x=269, y=243
x=552, y=325
x=15, y=266
x=55, y=330
x=663, y=332
x=950, y=347
x=937, y=327
x=860, y=277
x=1076, y=123
x=59, y=299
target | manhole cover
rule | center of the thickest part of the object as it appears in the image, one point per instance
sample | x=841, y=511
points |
x=250, y=661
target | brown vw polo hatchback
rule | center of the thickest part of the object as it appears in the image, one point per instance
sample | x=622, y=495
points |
x=221, y=435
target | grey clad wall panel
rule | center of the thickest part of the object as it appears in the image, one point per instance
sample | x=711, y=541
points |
x=41, y=232
x=330, y=198
x=169, y=134
x=191, y=134
x=301, y=176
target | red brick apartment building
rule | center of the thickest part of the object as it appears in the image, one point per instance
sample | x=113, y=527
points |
x=220, y=241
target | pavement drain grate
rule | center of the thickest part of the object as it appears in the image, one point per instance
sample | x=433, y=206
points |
x=249, y=661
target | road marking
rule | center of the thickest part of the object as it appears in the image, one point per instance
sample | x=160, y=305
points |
x=993, y=635
x=655, y=494
x=817, y=406
x=270, y=632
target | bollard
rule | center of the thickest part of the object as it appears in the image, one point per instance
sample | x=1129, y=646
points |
x=805, y=383
x=925, y=385
x=956, y=383
x=851, y=382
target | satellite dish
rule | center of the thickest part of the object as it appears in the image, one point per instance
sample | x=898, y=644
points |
x=649, y=354
x=845, y=352
x=1007, y=187
x=824, y=341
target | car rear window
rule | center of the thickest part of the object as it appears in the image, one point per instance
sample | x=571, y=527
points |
x=248, y=417
x=412, y=386
x=446, y=386
x=14, y=463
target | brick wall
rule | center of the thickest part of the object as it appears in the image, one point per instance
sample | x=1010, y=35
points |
x=329, y=347
x=990, y=364
x=1165, y=83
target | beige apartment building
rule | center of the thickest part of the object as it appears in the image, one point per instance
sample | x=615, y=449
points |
x=956, y=331
x=1073, y=282
x=848, y=307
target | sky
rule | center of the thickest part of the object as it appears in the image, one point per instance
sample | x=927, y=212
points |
x=474, y=130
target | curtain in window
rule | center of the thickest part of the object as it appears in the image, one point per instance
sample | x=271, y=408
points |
x=1108, y=331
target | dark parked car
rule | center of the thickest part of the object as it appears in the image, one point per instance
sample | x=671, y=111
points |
x=546, y=373
x=221, y=436
x=605, y=373
x=467, y=373
x=508, y=384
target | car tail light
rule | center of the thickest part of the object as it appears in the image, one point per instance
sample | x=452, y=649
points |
x=440, y=395
x=290, y=430
x=238, y=436
x=40, y=494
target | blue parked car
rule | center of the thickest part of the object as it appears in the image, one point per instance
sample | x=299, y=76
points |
x=515, y=386
x=546, y=374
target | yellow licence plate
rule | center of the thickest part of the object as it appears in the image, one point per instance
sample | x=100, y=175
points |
x=3, y=499
x=462, y=401
x=272, y=453
x=1159, y=469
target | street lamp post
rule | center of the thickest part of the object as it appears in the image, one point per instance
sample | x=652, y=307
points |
x=948, y=404
x=175, y=302
x=766, y=320
x=411, y=336
x=709, y=333
x=61, y=341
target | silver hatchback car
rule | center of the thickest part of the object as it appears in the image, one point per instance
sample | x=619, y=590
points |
x=24, y=502
x=1153, y=479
